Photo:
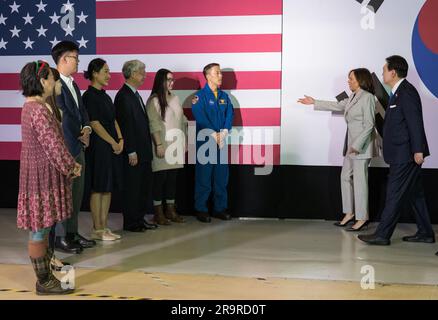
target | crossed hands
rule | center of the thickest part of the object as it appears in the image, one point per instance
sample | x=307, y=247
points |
x=219, y=137
x=117, y=147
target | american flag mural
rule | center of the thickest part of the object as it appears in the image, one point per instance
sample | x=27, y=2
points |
x=244, y=36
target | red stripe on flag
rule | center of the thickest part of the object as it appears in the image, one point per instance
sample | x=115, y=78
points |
x=10, y=115
x=260, y=155
x=243, y=117
x=183, y=80
x=242, y=154
x=10, y=150
x=189, y=44
x=251, y=117
x=178, y=8
x=196, y=80
x=10, y=81
x=254, y=154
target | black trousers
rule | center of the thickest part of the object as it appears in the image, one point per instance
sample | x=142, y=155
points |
x=404, y=188
x=137, y=193
x=165, y=185
x=71, y=225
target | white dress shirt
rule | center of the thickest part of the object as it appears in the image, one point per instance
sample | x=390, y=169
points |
x=69, y=82
x=394, y=89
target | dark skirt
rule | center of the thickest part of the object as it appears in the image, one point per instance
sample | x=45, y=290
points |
x=103, y=167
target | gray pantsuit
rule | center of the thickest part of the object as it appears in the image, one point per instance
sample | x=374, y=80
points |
x=359, y=113
x=355, y=191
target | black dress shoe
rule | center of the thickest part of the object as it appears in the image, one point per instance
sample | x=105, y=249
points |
x=135, y=229
x=222, y=215
x=419, y=238
x=83, y=242
x=203, y=217
x=67, y=246
x=364, y=226
x=339, y=224
x=436, y=253
x=374, y=240
x=149, y=226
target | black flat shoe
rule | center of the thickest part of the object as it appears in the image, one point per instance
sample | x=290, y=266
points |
x=364, y=226
x=338, y=224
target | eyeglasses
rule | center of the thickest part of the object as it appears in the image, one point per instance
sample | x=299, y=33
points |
x=170, y=80
x=74, y=57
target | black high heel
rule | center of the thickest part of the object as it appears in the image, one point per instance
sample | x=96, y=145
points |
x=364, y=226
x=338, y=223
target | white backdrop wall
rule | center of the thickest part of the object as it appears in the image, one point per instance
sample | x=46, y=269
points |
x=322, y=41
x=311, y=43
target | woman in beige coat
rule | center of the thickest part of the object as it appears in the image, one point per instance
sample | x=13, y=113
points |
x=168, y=127
x=359, y=145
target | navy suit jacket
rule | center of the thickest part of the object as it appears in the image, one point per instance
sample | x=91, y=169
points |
x=403, y=129
x=134, y=124
x=74, y=118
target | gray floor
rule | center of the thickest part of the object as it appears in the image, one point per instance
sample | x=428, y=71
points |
x=305, y=249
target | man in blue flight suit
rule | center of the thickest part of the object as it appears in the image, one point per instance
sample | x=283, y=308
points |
x=213, y=112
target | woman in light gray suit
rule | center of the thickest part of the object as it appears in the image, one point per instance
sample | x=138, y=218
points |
x=359, y=145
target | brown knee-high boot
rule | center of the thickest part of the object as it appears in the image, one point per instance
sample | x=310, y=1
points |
x=40, y=255
x=47, y=283
x=172, y=215
x=159, y=216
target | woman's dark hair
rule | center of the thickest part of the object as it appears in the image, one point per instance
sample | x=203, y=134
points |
x=95, y=65
x=160, y=91
x=364, y=78
x=52, y=99
x=399, y=64
x=30, y=77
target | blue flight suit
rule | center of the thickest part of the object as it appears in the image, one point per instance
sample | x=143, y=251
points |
x=215, y=114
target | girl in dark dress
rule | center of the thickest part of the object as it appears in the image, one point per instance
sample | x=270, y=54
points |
x=106, y=145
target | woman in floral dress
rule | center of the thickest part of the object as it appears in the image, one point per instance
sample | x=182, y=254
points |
x=46, y=170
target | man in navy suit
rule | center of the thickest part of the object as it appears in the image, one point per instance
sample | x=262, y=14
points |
x=134, y=123
x=76, y=128
x=404, y=149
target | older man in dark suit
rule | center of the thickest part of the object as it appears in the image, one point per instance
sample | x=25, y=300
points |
x=134, y=124
x=404, y=149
